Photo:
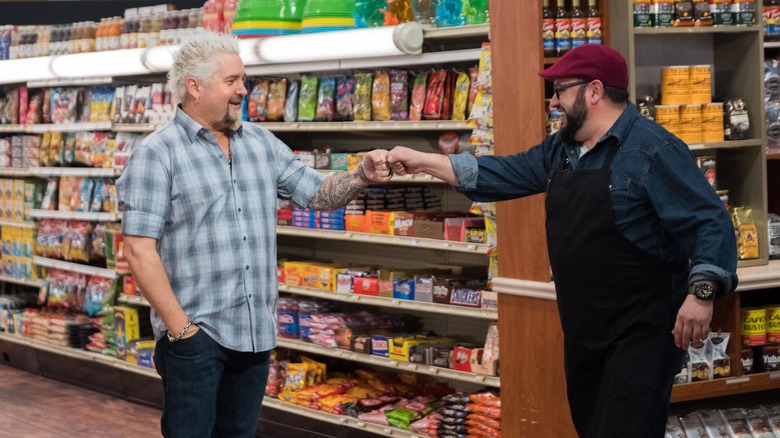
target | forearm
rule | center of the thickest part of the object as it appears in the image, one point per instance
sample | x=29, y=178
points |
x=338, y=189
x=149, y=273
x=439, y=166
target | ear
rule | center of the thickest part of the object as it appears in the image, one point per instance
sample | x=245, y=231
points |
x=595, y=92
x=193, y=87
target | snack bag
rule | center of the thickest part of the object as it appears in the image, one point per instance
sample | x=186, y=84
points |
x=362, y=100
x=380, y=96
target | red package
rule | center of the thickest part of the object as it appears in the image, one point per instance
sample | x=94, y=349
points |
x=433, y=100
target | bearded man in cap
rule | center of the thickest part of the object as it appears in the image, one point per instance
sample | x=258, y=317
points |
x=639, y=243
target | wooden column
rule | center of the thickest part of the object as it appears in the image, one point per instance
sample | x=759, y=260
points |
x=532, y=379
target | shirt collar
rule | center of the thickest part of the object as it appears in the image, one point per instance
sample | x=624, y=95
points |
x=622, y=125
x=193, y=128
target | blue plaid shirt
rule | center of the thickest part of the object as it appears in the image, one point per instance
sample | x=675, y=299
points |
x=215, y=226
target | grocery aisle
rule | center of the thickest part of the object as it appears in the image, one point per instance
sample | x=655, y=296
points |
x=32, y=406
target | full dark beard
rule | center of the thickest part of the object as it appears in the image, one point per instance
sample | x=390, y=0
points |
x=575, y=117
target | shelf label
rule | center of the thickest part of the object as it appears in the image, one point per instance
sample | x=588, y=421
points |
x=774, y=376
x=738, y=380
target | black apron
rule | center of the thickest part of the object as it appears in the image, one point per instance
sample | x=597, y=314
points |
x=617, y=311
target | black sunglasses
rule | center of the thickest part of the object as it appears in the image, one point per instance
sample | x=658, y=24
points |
x=560, y=88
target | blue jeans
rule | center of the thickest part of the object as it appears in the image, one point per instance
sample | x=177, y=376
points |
x=209, y=390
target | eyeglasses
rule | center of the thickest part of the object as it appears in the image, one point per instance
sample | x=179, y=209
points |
x=560, y=88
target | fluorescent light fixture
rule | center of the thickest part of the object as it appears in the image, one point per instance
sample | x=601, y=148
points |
x=108, y=63
x=404, y=39
x=27, y=69
x=159, y=59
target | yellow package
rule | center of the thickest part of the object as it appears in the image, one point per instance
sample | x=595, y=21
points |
x=747, y=233
x=297, y=374
x=380, y=96
x=461, y=98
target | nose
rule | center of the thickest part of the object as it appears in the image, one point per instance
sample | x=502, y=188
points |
x=554, y=101
x=242, y=91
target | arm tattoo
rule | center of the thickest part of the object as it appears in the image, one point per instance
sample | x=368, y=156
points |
x=336, y=191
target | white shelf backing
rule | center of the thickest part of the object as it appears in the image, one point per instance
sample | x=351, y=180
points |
x=75, y=215
x=444, y=373
x=74, y=267
x=341, y=420
x=69, y=127
x=78, y=354
x=22, y=281
x=75, y=171
x=392, y=303
x=413, y=242
x=18, y=224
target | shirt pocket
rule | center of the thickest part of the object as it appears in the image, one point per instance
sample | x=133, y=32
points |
x=619, y=190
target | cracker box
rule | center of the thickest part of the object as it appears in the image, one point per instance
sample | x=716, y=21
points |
x=387, y=278
x=339, y=161
x=127, y=329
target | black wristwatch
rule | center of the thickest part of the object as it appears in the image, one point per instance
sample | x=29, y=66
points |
x=702, y=291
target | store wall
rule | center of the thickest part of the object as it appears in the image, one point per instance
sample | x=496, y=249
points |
x=71, y=11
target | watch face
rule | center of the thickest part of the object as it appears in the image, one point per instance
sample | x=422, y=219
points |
x=703, y=291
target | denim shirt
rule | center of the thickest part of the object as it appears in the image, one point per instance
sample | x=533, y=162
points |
x=661, y=200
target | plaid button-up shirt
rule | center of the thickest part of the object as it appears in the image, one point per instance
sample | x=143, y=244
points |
x=215, y=226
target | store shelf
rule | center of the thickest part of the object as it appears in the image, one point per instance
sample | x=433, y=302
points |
x=15, y=172
x=74, y=267
x=426, y=59
x=413, y=242
x=341, y=420
x=550, y=60
x=732, y=144
x=393, y=303
x=75, y=215
x=772, y=45
x=75, y=171
x=457, y=32
x=444, y=373
x=759, y=277
x=12, y=128
x=723, y=387
x=18, y=224
x=78, y=354
x=70, y=82
x=136, y=300
x=695, y=30
x=135, y=127
x=69, y=127
x=22, y=281
x=422, y=125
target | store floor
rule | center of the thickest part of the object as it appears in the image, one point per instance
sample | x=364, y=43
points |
x=36, y=407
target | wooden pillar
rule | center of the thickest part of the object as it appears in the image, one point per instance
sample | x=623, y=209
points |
x=532, y=379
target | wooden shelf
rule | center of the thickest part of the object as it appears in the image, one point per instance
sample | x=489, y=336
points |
x=759, y=277
x=774, y=156
x=730, y=144
x=695, y=30
x=68, y=127
x=728, y=386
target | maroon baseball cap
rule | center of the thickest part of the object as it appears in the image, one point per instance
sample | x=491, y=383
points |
x=591, y=62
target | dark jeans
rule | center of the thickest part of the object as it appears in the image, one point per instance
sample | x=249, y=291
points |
x=209, y=390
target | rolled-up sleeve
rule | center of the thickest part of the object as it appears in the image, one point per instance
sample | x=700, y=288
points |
x=144, y=192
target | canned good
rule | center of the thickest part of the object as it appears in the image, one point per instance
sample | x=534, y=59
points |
x=754, y=326
x=675, y=85
x=773, y=323
x=707, y=166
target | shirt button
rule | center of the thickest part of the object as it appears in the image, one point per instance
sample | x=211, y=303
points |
x=239, y=209
x=250, y=295
x=247, y=267
x=244, y=238
x=234, y=181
